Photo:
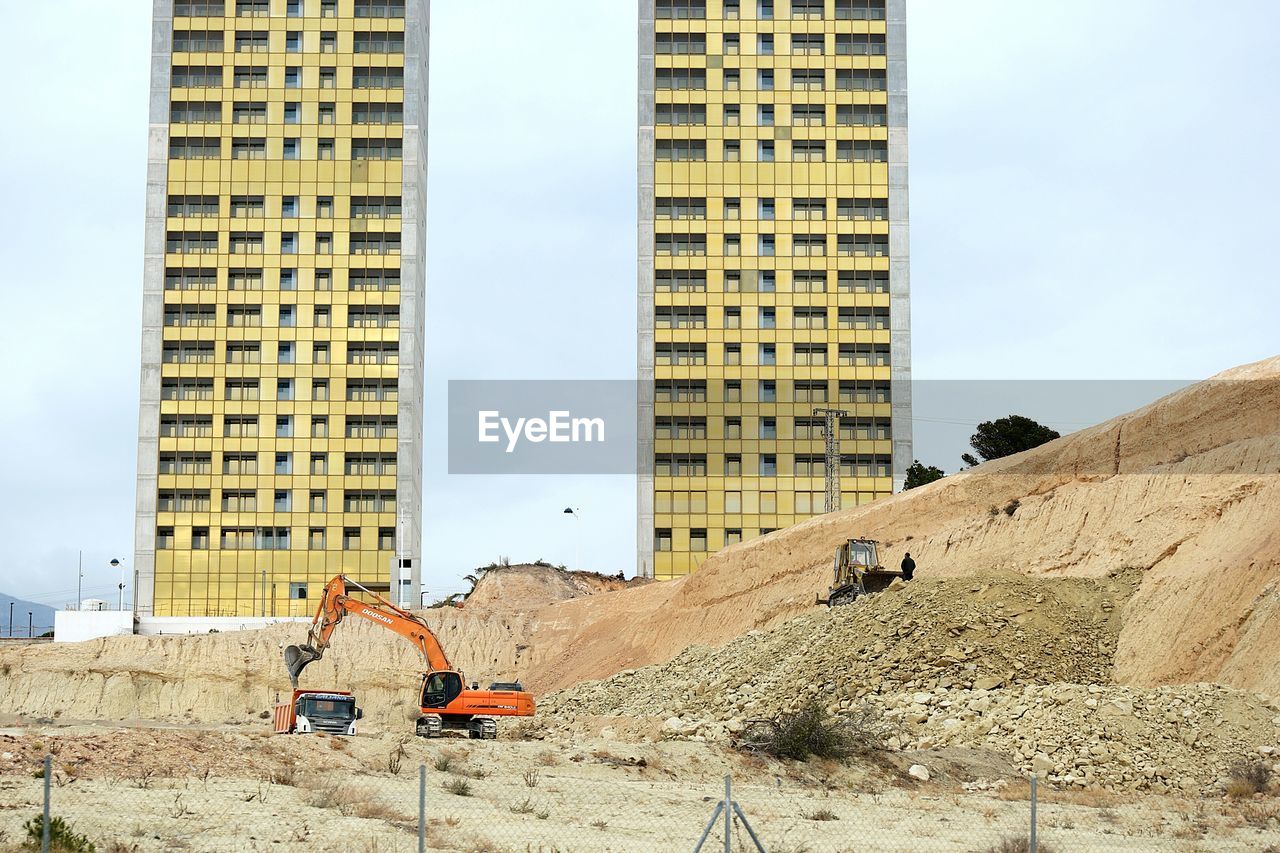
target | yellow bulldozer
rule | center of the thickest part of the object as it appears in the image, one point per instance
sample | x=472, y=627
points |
x=857, y=572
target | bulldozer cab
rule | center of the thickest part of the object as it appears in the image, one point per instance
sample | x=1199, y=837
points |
x=857, y=572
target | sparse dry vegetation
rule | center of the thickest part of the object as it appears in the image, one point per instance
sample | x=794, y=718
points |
x=458, y=786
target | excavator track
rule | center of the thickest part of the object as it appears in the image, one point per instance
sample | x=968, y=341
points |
x=484, y=728
x=430, y=726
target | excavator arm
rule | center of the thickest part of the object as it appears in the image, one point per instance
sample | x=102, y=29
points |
x=336, y=604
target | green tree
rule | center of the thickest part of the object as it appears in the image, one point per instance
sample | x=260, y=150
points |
x=919, y=474
x=1007, y=436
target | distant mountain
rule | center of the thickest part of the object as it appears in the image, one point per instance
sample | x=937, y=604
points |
x=41, y=615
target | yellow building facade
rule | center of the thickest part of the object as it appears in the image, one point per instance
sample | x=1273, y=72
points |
x=281, y=394
x=773, y=270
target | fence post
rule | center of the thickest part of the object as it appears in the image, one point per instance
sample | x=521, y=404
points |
x=728, y=816
x=48, y=774
x=1033, y=812
x=422, y=808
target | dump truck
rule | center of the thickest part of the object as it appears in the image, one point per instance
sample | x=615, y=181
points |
x=445, y=702
x=332, y=712
x=857, y=573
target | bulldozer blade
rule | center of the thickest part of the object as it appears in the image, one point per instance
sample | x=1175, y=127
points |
x=296, y=659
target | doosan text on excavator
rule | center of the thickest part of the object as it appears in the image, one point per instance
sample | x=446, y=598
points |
x=445, y=703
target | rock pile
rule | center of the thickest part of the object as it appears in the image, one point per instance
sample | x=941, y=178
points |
x=1016, y=665
x=978, y=632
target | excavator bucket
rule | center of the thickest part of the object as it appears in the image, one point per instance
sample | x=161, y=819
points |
x=296, y=659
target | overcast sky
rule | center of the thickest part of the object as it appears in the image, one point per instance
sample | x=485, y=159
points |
x=1094, y=195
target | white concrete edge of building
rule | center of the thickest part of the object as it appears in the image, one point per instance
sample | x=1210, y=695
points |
x=75, y=626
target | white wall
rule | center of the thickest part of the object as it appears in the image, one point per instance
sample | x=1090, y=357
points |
x=72, y=626
x=153, y=625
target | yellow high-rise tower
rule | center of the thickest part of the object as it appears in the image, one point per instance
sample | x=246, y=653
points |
x=282, y=352
x=773, y=272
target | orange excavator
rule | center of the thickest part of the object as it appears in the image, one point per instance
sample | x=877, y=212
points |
x=445, y=702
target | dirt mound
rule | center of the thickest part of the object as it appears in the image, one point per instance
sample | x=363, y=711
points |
x=531, y=586
x=1185, y=491
x=1018, y=666
x=987, y=631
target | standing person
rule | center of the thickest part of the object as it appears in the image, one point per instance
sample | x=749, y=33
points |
x=908, y=567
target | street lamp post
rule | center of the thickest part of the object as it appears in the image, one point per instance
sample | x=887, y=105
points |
x=30, y=632
x=119, y=564
x=577, y=548
x=12, y=633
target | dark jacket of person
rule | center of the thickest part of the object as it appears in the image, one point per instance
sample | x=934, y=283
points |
x=908, y=567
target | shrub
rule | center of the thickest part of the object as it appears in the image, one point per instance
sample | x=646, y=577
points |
x=1248, y=778
x=458, y=786
x=526, y=807
x=812, y=731
x=531, y=778
x=1018, y=844
x=1012, y=506
x=442, y=763
x=820, y=814
x=61, y=837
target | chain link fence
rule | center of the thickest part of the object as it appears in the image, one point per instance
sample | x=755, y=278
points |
x=532, y=803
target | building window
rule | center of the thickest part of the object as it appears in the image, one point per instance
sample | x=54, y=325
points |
x=375, y=42
x=681, y=149
x=377, y=113
x=293, y=42
x=732, y=151
x=767, y=245
x=198, y=9
x=768, y=391
x=197, y=77
x=284, y=464
x=320, y=389
x=164, y=538
x=319, y=464
x=733, y=465
x=292, y=149
x=284, y=426
x=324, y=207
x=247, y=206
x=768, y=503
x=379, y=8
x=251, y=112
x=327, y=113
x=765, y=151
x=764, y=80
x=239, y=501
x=351, y=538
x=252, y=41
x=315, y=539
x=292, y=113
x=319, y=427
x=284, y=390
x=292, y=78
x=764, y=44
x=250, y=77
x=377, y=78
x=732, y=116
x=698, y=539
x=195, y=112
x=240, y=426
x=768, y=355
x=376, y=149
x=240, y=464
x=661, y=539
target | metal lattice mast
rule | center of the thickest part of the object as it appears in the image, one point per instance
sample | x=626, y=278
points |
x=831, y=468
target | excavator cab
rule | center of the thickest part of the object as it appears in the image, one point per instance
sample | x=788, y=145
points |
x=440, y=688
x=857, y=572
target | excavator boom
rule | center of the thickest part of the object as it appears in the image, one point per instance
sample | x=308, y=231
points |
x=336, y=604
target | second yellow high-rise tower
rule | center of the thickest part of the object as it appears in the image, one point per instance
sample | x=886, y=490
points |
x=773, y=270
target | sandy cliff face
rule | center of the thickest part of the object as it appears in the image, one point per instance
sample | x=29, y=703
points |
x=1185, y=492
